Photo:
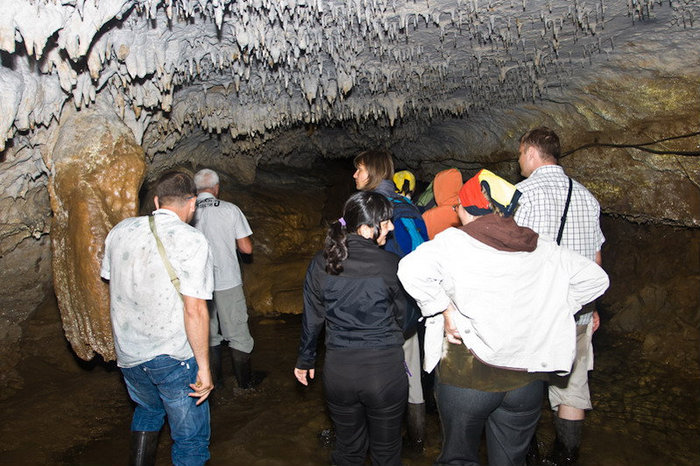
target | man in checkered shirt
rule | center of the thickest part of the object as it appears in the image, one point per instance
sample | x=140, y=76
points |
x=541, y=207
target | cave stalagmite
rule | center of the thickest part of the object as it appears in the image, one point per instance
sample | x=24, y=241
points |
x=97, y=98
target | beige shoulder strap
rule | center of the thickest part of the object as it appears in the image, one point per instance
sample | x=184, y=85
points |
x=171, y=272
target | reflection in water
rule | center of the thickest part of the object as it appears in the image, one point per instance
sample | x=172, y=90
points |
x=78, y=414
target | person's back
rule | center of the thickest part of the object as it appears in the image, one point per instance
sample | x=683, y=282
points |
x=146, y=309
x=222, y=223
x=446, y=187
x=409, y=226
x=228, y=233
x=360, y=303
x=518, y=301
x=542, y=206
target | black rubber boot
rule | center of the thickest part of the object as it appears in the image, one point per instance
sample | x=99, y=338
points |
x=143, y=448
x=415, y=420
x=245, y=377
x=566, y=444
x=215, y=365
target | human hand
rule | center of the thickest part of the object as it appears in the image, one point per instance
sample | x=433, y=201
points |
x=202, y=387
x=300, y=374
x=596, y=321
x=451, y=331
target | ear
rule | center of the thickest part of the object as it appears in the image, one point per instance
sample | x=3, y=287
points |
x=155, y=201
x=366, y=231
x=464, y=216
x=532, y=153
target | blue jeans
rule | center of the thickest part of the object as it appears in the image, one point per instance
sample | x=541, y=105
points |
x=510, y=419
x=161, y=386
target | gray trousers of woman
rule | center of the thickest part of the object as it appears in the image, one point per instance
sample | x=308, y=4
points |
x=509, y=418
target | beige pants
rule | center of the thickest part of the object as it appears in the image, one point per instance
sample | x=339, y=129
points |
x=572, y=390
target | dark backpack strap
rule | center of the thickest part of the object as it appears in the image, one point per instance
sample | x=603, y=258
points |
x=566, y=210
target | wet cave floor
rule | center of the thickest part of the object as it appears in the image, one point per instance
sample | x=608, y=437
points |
x=75, y=413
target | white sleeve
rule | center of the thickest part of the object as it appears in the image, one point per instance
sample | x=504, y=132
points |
x=241, y=223
x=587, y=279
x=105, y=268
x=421, y=276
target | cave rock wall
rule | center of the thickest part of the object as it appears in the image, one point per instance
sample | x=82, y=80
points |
x=96, y=172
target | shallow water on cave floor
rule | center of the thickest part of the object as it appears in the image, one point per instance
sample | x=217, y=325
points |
x=74, y=413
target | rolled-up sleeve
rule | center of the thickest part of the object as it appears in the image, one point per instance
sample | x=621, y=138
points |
x=587, y=279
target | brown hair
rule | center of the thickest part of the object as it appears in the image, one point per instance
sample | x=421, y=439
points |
x=379, y=166
x=174, y=187
x=545, y=140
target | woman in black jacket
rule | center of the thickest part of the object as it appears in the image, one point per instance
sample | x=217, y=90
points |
x=351, y=287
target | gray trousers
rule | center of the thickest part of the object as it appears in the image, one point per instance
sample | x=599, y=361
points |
x=229, y=312
x=411, y=351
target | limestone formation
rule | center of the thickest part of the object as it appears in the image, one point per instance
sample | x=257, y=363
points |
x=223, y=81
x=96, y=172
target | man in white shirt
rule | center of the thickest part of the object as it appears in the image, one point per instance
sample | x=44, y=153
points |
x=160, y=322
x=542, y=206
x=228, y=231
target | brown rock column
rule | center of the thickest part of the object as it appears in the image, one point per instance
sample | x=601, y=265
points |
x=96, y=171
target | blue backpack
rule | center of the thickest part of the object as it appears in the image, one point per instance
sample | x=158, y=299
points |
x=409, y=227
x=409, y=233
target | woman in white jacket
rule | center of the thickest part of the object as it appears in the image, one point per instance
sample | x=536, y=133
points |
x=499, y=302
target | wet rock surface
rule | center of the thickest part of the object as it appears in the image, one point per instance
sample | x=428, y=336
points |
x=73, y=413
x=97, y=169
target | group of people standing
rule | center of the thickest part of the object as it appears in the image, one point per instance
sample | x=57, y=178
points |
x=480, y=280
x=503, y=277
x=175, y=296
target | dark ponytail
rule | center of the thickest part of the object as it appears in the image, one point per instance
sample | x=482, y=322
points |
x=362, y=208
x=335, y=250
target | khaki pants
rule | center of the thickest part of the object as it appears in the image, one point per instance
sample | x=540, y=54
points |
x=572, y=390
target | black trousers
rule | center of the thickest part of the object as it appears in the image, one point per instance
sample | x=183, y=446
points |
x=366, y=391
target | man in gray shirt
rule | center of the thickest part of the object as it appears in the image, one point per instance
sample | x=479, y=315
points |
x=227, y=231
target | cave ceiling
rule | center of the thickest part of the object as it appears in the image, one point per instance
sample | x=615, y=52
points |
x=259, y=81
